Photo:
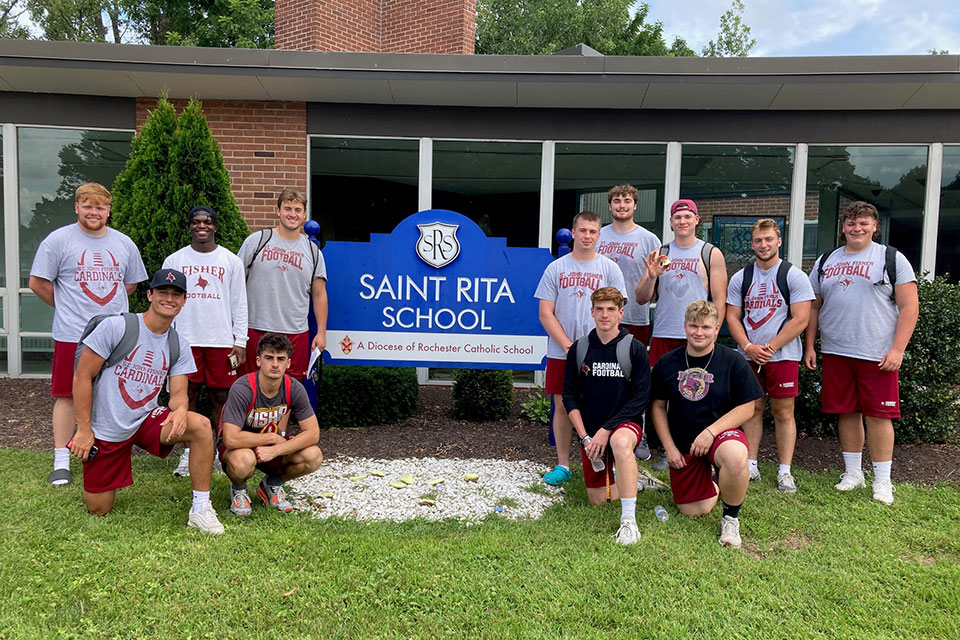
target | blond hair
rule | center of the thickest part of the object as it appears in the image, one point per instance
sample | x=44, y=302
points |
x=765, y=224
x=93, y=192
x=700, y=310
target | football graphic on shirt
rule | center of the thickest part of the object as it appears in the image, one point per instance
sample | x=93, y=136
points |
x=762, y=304
x=140, y=379
x=98, y=280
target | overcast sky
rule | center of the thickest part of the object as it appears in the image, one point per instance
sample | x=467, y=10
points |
x=821, y=27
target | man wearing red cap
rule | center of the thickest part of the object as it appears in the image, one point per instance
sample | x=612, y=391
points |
x=684, y=271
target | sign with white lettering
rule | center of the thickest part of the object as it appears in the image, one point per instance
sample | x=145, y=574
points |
x=437, y=292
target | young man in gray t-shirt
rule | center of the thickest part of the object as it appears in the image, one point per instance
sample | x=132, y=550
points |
x=256, y=429
x=117, y=405
x=81, y=270
x=285, y=275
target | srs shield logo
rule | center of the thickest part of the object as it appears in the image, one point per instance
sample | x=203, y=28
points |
x=438, y=245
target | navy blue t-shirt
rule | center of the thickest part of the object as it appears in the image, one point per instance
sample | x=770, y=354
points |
x=699, y=395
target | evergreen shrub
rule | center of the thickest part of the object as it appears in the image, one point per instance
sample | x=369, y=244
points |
x=482, y=394
x=363, y=396
x=929, y=375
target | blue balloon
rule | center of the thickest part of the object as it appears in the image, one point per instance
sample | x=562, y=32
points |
x=312, y=228
x=564, y=236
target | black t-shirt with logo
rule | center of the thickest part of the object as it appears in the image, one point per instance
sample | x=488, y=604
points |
x=699, y=395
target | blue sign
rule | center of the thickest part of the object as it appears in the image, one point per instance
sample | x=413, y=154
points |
x=437, y=292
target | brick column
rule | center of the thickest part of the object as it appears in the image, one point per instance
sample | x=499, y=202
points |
x=264, y=146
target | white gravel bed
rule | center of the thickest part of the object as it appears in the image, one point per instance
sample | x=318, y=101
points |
x=502, y=487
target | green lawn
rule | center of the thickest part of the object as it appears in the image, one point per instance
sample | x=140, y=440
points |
x=815, y=565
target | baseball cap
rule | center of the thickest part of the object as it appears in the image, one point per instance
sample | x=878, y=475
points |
x=169, y=278
x=204, y=209
x=681, y=205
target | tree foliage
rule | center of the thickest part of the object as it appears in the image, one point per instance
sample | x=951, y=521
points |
x=734, y=39
x=10, y=12
x=543, y=27
x=204, y=23
x=174, y=165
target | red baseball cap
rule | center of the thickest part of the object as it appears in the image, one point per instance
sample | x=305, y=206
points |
x=681, y=205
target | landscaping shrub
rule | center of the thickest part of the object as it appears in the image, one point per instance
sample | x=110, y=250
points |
x=364, y=396
x=929, y=375
x=482, y=394
x=537, y=407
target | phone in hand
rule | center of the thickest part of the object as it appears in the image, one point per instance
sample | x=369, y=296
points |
x=90, y=455
x=233, y=360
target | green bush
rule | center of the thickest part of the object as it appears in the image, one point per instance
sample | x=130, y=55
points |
x=364, y=396
x=537, y=407
x=482, y=394
x=174, y=165
x=929, y=375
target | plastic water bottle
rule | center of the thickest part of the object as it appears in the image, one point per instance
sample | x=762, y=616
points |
x=597, y=464
x=661, y=513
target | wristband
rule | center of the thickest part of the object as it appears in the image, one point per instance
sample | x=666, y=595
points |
x=584, y=439
x=711, y=433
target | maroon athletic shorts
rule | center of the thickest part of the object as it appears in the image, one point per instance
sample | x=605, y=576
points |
x=694, y=482
x=111, y=469
x=213, y=369
x=595, y=479
x=555, y=370
x=778, y=379
x=660, y=347
x=299, y=359
x=61, y=383
x=641, y=333
x=851, y=385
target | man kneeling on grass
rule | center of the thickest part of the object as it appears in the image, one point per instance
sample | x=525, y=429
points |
x=605, y=389
x=702, y=394
x=256, y=429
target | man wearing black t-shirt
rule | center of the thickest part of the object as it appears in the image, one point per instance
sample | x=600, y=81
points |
x=605, y=392
x=702, y=394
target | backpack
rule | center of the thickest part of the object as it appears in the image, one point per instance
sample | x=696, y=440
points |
x=623, y=353
x=705, y=252
x=890, y=266
x=131, y=335
x=782, y=270
x=265, y=235
x=252, y=381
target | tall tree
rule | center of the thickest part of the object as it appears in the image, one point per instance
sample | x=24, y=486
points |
x=10, y=12
x=734, y=39
x=542, y=27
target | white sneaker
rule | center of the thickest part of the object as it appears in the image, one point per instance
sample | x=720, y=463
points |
x=183, y=467
x=786, y=484
x=240, y=502
x=883, y=491
x=754, y=474
x=850, y=480
x=205, y=520
x=628, y=532
x=648, y=481
x=730, y=532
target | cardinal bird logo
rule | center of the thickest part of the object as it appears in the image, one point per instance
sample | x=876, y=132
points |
x=202, y=283
x=846, y=282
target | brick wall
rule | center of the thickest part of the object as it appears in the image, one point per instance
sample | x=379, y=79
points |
x=379, y=26
x=264, y=149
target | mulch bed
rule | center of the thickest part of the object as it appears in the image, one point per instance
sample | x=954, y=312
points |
x=26, y=405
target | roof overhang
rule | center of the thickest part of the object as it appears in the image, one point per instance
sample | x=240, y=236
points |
x=604, y=82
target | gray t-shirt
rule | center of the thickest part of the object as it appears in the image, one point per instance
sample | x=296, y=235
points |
x=568, y=284
x=629, y=250
x=266, y=414
x=279, y=281
x=683, y=282
x=127, y=392
x=766, y=310
x=88, y=276
x=857, y=318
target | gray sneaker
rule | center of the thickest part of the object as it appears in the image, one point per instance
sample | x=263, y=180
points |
x=786, y=484
x=730, y=532
x=240, y=503
x=646, y=481
x=205, y=520
x=628, y=532
x=754, y=475
x=642, y=451
x=183, y=467
x=660, y=464
x=274, y=497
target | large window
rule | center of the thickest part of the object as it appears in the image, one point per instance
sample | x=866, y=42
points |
x=585, y=172
x=362, y=186
x=948, y=237
x=893, y=179
x=495, y=184
x=733, y=186
x=51, y=164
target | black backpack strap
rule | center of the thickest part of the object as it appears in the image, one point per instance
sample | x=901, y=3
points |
x=822, y=259
x=664, y=251
x=890, y=263
x=623, y=356
x=745, y=287
x=265, y=235
x=581, y=344
x=173, y=345
x=705, y=252
x=315, y=250
x=782, y=285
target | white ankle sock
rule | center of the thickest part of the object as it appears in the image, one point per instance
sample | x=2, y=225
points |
x=881, y=470
x=852, y=461
x=200, y=498
x=628, y=508
x=61, y=458
x=186, y=454
x=753, y=465
x=784, y=468
x=564, y=467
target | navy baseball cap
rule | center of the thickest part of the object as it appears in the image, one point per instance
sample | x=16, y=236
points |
x=169, y=278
